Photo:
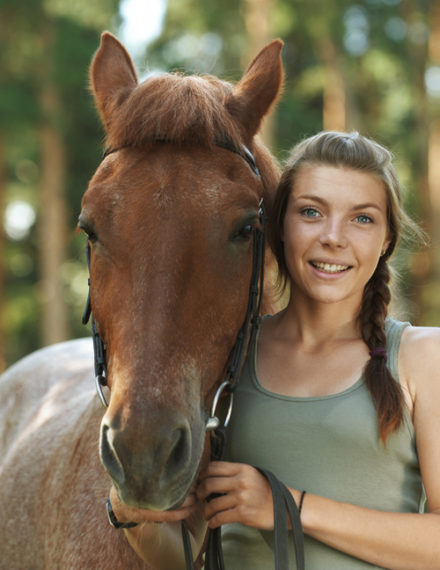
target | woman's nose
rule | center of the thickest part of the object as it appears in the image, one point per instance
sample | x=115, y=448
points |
x=333, y=234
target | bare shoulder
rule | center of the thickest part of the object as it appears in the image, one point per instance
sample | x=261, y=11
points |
x=419, y=361
x=419, y=343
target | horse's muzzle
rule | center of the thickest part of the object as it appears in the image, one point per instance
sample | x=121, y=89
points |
x=155, y=470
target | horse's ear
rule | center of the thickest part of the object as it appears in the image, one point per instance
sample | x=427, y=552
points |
x=258, y=89
x=112, y=76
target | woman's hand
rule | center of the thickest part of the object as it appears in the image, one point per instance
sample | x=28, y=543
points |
x=244, y=495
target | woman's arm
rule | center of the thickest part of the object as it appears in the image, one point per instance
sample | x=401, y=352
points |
x=399, y=541
x=157, y=539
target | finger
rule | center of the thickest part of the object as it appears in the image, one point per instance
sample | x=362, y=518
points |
x=221, y=518
x=220, y=469
x=230, y=509
x=219, y=504
x=175, y=515
x=215, y=485
x=124, y=513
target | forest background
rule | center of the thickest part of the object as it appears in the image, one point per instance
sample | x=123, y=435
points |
x=367, y=65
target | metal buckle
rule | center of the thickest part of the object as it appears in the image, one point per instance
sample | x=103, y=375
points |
x=213, y=421
x=100, y=381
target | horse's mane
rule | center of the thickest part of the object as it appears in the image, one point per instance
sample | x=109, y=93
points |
x=185, y=110
x=175, y=108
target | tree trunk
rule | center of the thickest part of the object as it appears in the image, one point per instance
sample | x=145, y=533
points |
x=52, y=229
x=259, y=32
x=2, y=255
x=334, y=114
x=422, y=262
x=434, y=172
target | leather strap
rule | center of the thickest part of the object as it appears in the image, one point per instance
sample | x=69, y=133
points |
x=214, y=551
x=187, y=546
x=284, y=506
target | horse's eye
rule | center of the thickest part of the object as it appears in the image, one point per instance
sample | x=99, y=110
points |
x=243, y=233
x=92, y=236
x=246, y=232
x=88, y=229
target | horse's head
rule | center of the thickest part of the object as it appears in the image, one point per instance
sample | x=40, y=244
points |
x=169, y=215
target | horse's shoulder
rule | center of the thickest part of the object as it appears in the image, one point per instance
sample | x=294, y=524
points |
x=71, y=354
x=33, y=381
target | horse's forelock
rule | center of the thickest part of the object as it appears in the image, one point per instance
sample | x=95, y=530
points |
x=175, y=108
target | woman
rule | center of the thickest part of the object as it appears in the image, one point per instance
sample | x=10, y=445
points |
x=335, y=394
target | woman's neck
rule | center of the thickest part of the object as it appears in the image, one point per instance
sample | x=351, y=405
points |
x=318, y=324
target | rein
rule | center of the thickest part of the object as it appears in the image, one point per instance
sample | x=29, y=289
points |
x=282, y=498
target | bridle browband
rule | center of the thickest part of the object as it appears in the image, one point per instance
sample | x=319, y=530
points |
x=283, y=500
x=223, y=142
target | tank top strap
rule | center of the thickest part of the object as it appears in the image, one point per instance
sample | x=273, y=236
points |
x=394, y=330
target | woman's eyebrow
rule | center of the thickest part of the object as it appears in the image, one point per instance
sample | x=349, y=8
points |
x=310, y=197
x=367, y=205
x=321, y=200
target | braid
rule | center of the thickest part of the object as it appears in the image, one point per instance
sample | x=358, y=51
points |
x=386, y=393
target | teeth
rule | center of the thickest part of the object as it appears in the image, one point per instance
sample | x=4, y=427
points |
x=330, y=267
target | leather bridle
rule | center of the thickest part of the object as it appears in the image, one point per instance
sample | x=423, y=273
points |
x=283, y=500
x=252, y=312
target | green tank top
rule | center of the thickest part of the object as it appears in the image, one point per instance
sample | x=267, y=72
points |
x=327, y=445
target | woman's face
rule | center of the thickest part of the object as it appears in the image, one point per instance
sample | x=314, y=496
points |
x=335, y=229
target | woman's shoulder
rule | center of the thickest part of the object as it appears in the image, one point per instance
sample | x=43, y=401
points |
x=419, y=357
x=425, y=339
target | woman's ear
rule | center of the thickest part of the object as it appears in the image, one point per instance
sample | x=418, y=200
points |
x=385, y=246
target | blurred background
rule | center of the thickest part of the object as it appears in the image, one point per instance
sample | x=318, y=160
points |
x=368, y=65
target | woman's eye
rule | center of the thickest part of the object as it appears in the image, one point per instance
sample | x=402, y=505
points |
x=363, y=219
x=310, y=212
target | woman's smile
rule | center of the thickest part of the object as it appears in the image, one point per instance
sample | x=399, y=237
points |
x=329, y=267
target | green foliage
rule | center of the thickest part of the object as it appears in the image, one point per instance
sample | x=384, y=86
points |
x=381, y=48
x=51, y=40
x=201, y=37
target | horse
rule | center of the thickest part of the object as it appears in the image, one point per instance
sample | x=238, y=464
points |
x=169, y=218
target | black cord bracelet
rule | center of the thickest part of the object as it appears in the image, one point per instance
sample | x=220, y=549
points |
x=301, y=500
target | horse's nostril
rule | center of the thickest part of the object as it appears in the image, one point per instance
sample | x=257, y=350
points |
x=109, y=456
x=180, y=450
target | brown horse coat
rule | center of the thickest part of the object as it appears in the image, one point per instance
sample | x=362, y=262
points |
x=169, y=216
